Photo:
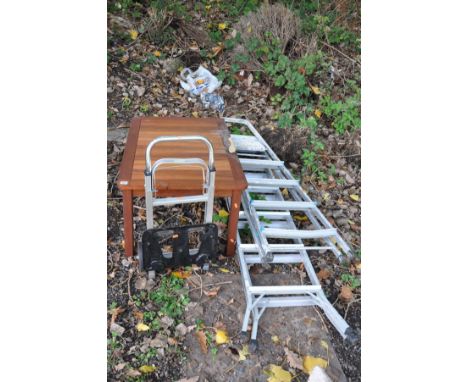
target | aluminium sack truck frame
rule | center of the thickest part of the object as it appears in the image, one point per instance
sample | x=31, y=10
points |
x=266, y=175
x=152, y=254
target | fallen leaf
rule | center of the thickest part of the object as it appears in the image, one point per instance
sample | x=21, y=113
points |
x=223, y=213
x=133, y=373
x=278, y=374
x=140, y=283
x=354, y=197
x=115, y=312
x=310, y=362
x=172, y=341
x=244, y=353
x=275, y=339
x=318, y=113
x=224, y=270
x=138, y=315
x=212, y=292
x=221, y=337
x=181, y=330
x=222, y=26
x=120, y=366
x=201, y=337
x=182, y=274
x=133, y=34
x=293, y=359
x=147, y=369
x=346, y=293
x=141, y=327
x=324, y=344
x=323, y=274
x=117, y=329
x=216, y=50
x=157, y=53
x=166, y=322
x=195, y=114
x=301, y=218
x=315, y=89
x=326, y=196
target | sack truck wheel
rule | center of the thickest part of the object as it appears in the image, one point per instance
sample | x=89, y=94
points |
x=140, y=256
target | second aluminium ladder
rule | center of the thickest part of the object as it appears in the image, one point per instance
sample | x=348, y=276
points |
x=277, y=239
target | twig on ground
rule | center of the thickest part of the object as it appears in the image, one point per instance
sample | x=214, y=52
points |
x=209, y=285
x=347, y=308
x=128, y=284
x=340, y=52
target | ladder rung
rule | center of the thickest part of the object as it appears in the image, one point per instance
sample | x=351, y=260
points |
x=282, y=205
x=275, y=248
x=278, y=259
x=284, y=183
x=298, y=234
x=284, y=289
x=260, y=163
x=273, y=215
x=283, y=302
x=180, y=200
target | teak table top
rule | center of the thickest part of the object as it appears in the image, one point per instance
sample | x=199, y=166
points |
x=179, y=180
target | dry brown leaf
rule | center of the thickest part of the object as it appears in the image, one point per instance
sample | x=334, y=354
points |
x=212, y=292
x=346, y=293
x=323, y=274
x=201, y=337
x=138, y=315
x=133, y=373
x=293, y=359
x=114, y=313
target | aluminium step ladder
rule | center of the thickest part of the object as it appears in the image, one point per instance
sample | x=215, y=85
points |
x=270, y=218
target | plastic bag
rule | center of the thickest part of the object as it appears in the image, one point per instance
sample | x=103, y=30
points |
x=202, y=83
x=199, y=81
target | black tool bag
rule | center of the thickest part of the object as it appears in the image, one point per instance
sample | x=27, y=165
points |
x=179, y=246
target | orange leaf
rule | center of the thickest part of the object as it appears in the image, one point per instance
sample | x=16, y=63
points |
x=201, y=337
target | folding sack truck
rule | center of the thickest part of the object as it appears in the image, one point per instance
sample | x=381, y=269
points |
x=153, y=253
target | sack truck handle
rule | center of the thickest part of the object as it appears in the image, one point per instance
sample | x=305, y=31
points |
x=208, y=187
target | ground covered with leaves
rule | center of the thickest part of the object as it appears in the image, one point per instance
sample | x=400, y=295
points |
x=294, y=72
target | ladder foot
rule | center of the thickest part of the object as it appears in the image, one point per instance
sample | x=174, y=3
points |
x=351, y=337
x=253, y=346
x=151, y=275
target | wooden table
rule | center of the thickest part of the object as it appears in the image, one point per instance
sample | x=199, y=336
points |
x=181, y=180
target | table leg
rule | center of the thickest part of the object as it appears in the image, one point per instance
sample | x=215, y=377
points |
x=128, y=222
x=232, y=225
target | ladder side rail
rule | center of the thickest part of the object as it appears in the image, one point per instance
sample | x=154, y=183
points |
x=254, y=223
